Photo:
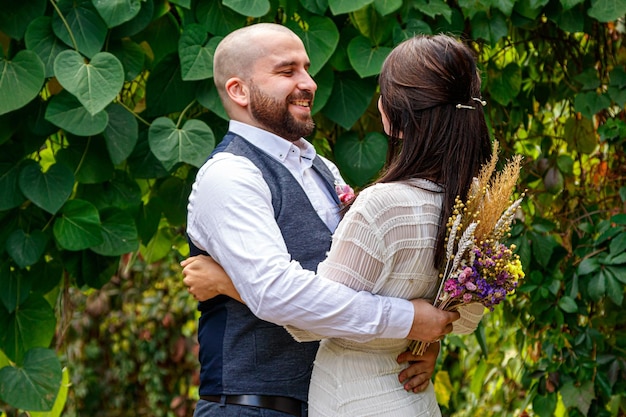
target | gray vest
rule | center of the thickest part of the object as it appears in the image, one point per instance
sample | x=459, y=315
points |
x=239, y=353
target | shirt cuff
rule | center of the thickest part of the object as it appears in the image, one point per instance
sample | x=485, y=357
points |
x=400, y=320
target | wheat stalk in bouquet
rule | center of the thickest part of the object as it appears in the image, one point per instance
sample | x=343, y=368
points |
x=478, y=266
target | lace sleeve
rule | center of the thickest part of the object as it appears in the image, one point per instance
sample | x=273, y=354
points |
x=355, y=259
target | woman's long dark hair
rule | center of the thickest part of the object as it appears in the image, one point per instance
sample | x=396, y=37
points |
x=421, y=83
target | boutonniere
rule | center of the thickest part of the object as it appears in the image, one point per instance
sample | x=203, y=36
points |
x=344, y=192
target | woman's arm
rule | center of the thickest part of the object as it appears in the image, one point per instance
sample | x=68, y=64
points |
x=205, y=279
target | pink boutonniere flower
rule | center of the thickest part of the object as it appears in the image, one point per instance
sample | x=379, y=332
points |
x=344, y=192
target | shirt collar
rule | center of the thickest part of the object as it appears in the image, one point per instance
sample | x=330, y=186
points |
x=272, y=144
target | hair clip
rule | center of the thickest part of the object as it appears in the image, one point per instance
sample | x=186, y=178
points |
x=463, y=106
x=483, y=102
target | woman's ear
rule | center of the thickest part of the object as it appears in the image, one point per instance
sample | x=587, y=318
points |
x=237, y=91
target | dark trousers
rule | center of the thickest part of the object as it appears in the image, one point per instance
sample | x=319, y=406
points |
x=209, y=409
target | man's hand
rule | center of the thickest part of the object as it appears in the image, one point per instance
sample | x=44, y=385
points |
x=430, y=324
x=206, y=279
x=418, y=374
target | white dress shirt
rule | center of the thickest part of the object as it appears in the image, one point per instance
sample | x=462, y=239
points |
x=230, y=216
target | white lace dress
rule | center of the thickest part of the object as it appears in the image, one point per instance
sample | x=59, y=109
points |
x=383, y=245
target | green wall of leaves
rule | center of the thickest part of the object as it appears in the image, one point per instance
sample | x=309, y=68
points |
x=108, y=108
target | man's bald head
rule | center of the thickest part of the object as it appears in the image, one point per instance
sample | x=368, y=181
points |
x=237, y=52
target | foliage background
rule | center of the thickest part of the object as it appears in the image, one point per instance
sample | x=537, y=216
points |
x=107, y=109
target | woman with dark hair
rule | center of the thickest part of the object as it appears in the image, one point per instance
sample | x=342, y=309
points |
x=391, y=241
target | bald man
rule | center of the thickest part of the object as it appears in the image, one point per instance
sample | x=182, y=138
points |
x=264, y=206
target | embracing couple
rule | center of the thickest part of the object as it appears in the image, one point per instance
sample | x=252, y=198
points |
x=266, y=208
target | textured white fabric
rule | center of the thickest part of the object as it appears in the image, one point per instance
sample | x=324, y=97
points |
x=230, y=216
x=389, y=234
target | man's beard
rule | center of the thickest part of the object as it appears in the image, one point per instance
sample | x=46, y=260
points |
x=274, y=115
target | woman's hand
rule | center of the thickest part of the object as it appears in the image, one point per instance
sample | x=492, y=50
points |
x=205, y=279
x=418, y=374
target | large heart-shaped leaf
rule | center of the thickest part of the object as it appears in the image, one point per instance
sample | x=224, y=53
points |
x=360, y=160
x=347, y=6
x=116, y=12
x=385, y=7
x=166, y=92
x=26, y=249
x=367, y=60
x=195, y=53
x=20, y=80
x=119, y=233
x=217, y=18
x=121, y=133
x=35, y=385
x=29, y=326
x=88, y=158
x=41, y=39
x=78, y=226
x=192, y=144
x=325, y=80
x=131, y=55
x=10, y=193
x=16, y=15
x=122, y=192
x=61, y=399
x=208, y=96
x=505, y=84
x=492, y=27
x=47, y=190
x=320, y=39
x=252, y=8
x=350, y=97
x=607, y=10
x=87, y=27
x=15, y=286
x=94, y=84
x=589, y=103
x=137, y=23
x=66, y=112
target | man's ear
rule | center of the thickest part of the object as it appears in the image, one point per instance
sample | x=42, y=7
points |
x=238, y=91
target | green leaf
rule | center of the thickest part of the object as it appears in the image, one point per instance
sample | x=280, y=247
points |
x=121, y=133
x=597, y=286
x=590, y=103
x=10, y=194
x=505, y=84
x=616, y=260
x=20, y=80
x=543, y=248
x=544, y=405
x=568, y=304
x=33, y=386
x=618, y=272
x=49, y=190
x=367, y=60
x=217, y=18
x=15, y=286
x=45, y=275
x=137, y=23
x=96, y=270
x=588, y=266
x=320, y=38
x=87, y=27
x=578, y=396
x=315, y=6
x=41, y=40
x=119, y=232
x=434, y=8
x=78, y=226
x=347, y=6
x=122, y=192
x=570, y=20
x=618, y=244
x=360, y=160
x=607, y=10
x=491, y=28
x=66, y=112
x=614, y=289
x=88, y=158
x=116, y=12
x=166, y=92
x=325, y=80
x=349, y=99
x=30, y=326
x=16, y=15
x=195, y=51
x=132, y=57
x=208, y=97
x=61, y=399
x=252, y=8
x=580, y=134
x=385, y=7
x=142, y=162
x=26, y=249
x=95, y=84
x=192, y=144
x=148, y=219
